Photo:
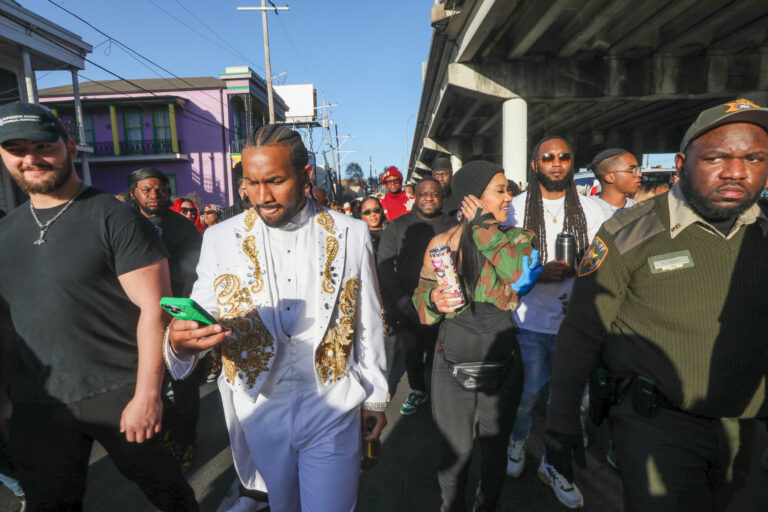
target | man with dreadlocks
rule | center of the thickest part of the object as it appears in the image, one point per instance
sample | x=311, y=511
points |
x=294, y=288
x=549, y=206
x=619, y=175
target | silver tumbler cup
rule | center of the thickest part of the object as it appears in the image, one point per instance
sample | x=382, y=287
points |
x=565, y=248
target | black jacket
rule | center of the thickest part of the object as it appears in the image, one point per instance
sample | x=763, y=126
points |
x=400, y=257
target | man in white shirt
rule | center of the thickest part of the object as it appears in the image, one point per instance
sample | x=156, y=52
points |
x=619, y=175
x=292, y=285
x=550, y=205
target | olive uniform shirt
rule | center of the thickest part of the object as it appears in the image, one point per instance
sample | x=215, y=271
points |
x=663, y=294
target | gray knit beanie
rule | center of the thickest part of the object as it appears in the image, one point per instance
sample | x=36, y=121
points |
x=473, y=177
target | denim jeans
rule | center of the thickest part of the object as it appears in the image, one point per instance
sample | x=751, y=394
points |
x=538, y=351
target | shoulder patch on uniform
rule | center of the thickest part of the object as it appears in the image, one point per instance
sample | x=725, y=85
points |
x=627, y=216
x=593, y=258
x=634, y=226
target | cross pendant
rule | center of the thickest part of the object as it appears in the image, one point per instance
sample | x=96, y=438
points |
x=41, y=240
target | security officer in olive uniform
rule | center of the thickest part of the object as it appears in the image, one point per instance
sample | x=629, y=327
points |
x=672, y=294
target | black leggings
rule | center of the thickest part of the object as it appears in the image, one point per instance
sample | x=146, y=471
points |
x=51, y=446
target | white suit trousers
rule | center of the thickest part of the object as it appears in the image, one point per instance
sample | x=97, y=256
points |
x=307, y=452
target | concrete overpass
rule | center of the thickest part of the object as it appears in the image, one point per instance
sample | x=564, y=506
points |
x=501, y=74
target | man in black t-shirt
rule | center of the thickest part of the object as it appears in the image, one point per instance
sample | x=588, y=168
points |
x=81, y=275
x=149, y=191
x=401, y=256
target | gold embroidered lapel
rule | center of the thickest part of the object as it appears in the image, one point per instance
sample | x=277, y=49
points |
x=332, y=353
x=250, y=348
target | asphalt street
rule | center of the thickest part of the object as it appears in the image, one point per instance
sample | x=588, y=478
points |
x=405, y=479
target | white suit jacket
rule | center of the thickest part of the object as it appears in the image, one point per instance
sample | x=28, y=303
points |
x=233, y=285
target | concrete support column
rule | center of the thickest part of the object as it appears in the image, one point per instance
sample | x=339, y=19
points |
x=29, y=76
x=514, y=139
x=80, y=128
x=85, y=168
x=456, y=162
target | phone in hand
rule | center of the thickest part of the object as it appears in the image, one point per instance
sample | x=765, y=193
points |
x=187, y=309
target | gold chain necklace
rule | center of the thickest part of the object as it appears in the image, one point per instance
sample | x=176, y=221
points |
x=554, y=216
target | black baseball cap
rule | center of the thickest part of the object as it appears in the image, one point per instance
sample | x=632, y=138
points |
x=20, y=120
x=736, y=111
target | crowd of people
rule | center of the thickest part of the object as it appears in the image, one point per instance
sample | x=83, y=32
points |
x=642, y=306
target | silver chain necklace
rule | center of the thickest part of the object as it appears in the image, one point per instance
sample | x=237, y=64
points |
x=44, y=226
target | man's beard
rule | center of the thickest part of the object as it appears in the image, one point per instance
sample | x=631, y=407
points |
x=708, y=210
x=554, y=185
x=161, y=208
x=284, y=214
x=61, y=175
x=435, y=213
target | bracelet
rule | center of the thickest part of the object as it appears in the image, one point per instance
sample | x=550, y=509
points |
x=166, y=347
x=375, y=406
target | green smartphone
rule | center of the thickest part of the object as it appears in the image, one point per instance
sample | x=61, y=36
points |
x=187, y=309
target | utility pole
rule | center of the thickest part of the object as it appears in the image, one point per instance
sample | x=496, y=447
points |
x=327, y=126
x=264, y=10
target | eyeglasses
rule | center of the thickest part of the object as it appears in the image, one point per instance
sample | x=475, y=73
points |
x=209, y=212
x=636, y=171
x=372, y=210
x=392, y=181
x=549, y=157
x=184, y=209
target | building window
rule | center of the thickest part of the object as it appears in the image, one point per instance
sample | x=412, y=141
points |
x=237, y=126
x=134, y=130
x=162, y=120
x=90, y=138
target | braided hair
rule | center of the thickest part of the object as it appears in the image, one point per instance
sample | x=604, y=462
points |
x=574, y=220
x=277, y=134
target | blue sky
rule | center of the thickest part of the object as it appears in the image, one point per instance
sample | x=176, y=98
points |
x=366, y=56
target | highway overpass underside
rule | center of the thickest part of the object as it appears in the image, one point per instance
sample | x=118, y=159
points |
x=502, y=74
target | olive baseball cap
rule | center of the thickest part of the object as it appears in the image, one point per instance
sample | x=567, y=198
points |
x=20, y=120
x=736, y=111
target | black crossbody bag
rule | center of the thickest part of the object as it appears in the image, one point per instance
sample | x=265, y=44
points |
x=481, y=376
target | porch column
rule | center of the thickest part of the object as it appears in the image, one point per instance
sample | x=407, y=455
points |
x=115, y=134
x=29, y=76
x=174, y=136
x=80, y=128
x=514, y=139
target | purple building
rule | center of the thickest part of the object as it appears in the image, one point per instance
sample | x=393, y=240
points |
x=188, y=128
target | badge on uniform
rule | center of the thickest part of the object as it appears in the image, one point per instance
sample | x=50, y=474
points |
x=593, y=258
x=670, y=261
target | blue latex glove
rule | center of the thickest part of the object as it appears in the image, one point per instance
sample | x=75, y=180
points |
x=531, y=270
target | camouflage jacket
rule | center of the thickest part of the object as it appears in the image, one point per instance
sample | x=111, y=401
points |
x=503, y=249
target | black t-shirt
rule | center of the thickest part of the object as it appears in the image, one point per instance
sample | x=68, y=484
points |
x=76, y=325
x=182, y=240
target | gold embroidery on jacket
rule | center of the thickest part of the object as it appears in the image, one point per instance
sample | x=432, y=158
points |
x=248, y=350
x=249, y=248
x=331, y=250
x=332, y=353
x=326, y=221
x=250, y=218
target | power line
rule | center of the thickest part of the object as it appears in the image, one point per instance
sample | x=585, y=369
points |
x=208, y=27
x=131, y=51
x=237, y=54
x=32, y=28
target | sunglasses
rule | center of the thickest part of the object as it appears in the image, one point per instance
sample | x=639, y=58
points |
x=636, y=171
x=549, y=157
x=372, y=210
x=209, y=212
x=184, y=209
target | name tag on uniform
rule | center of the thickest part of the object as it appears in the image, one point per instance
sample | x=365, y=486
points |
x=670, y=261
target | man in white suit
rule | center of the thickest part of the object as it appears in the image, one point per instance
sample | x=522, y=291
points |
x=295, y=290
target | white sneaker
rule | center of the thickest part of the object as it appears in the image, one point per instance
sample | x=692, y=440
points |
x=515, y=457
x=246, y=504
x=567, y=492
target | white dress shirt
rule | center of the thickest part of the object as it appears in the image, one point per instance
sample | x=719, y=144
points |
x=294, y=273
